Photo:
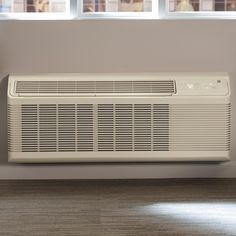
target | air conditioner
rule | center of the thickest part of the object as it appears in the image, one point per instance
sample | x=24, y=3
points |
x=118, y=117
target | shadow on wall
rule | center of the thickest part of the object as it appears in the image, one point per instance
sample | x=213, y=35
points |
x=3, y=119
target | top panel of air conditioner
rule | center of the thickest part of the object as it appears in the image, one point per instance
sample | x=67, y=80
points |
x=119, y=85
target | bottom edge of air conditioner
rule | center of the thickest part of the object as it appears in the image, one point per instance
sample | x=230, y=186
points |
x=174, y=156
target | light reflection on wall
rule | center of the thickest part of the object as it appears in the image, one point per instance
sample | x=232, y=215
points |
x=218, y=216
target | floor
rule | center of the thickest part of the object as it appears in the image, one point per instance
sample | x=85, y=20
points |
x=117, y=208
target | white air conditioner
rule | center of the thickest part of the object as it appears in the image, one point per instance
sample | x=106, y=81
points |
x=118, y=117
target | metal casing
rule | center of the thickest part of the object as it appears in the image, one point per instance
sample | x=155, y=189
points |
x=119, y=117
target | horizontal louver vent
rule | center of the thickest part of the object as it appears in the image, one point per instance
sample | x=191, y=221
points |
x=200, y=127
x=118, y=127
x=57, y=88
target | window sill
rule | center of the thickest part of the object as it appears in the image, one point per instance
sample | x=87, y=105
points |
x=36, y=16
x=199, y=15
x=118, y=16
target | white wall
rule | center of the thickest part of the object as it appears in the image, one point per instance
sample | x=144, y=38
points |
x=116, y=46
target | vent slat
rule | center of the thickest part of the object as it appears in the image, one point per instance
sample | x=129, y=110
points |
x=58, y=88
x=118, y=127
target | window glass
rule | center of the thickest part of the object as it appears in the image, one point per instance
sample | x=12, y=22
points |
x=117, y=6
x=33, y=6
x=202, y=5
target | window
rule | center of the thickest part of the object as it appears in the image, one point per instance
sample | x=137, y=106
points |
x=35, y=7
x=194, y=9
x=202, y=5
x=117, y=8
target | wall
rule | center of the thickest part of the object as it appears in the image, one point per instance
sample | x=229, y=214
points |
x=116, y=46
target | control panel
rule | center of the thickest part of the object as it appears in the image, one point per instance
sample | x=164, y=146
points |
x=202, y=86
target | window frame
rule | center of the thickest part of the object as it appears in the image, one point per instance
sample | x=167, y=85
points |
x=119, y=15
x=194, y=15
x=41, y=15
x=160, y=10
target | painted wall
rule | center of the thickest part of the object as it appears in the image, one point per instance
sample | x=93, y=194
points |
x=116, y=46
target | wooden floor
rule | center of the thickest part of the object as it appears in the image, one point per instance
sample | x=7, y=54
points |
x=116, y=208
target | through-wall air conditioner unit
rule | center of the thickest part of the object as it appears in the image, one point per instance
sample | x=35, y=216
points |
x=118, y=117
